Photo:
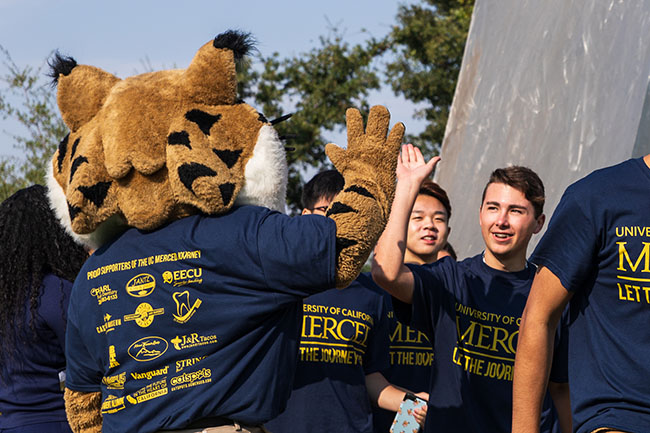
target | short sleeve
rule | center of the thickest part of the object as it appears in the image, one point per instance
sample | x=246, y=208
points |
x=427, y=297
x=82, y=372
x=377, y=353
x=298, y=254
x=569, y=246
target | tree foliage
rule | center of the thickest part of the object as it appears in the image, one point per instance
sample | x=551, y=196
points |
x=26, y=97
x=421, y=57
x=317, y=87
x=428, y=42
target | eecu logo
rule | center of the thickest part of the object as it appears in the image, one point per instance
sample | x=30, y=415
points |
x=148, y=348
x=183, y=277
x=141, y=285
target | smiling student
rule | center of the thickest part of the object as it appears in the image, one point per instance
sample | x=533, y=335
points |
x=469, y=310
x=411, y=354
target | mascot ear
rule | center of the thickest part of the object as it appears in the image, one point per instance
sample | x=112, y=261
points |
x=82, y=89
x=211, y=78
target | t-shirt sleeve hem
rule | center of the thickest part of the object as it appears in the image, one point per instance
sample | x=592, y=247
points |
x=83, y=388
x=556, y=270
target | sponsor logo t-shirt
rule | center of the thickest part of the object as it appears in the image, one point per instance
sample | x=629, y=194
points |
x=199, y=318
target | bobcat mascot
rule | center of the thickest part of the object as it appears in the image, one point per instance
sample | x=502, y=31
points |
x=188, y=314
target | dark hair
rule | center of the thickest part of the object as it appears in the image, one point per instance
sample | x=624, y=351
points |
x=32, y=244
x=522, y=179
x=434, y=190
x=450, y=250
x=325, y=184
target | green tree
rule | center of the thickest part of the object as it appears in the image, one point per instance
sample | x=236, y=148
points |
x=428, y=42
x=28, y=98
x=317, y=87
x=420, y=59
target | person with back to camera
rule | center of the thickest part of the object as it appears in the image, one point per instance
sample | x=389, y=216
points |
x=179, y=184
x=38, y=262
x=343, y=347
x=595, y=258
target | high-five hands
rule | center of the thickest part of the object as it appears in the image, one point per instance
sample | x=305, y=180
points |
x=412, y=166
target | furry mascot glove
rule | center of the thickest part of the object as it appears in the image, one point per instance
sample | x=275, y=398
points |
x=361, y=210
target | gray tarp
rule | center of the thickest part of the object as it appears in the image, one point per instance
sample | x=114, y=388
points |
x=560, y=86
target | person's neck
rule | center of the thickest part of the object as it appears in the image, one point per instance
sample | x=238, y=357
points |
x=409, y=257
x=503, y=263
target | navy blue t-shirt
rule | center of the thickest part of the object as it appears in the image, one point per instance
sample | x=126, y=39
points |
x=33, y=393
x=471, y=314
x=344, y=338
x=199, y=318
x=411, y=358
x=598, y=245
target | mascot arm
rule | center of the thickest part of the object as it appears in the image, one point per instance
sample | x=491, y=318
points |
x=361, y=209
x=83, y=410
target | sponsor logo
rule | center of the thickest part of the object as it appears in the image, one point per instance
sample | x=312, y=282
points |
x=112, y=404
x=193, y=378
x=109, y=324
x=144, y=315
x=149, y=392
x=141, y=285
x=112, y=361
x=103, y=294
x=184, y=363
x=192, y=340
x=148, y=348
x=149, y=374
x=183, y=277
x=114, y=382
x=183, y=309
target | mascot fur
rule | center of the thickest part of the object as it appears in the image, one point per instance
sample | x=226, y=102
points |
x=158, y=147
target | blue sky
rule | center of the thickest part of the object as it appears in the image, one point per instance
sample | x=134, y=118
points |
x=120, y=36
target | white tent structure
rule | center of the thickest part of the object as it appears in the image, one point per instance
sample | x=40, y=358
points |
x=558, y=86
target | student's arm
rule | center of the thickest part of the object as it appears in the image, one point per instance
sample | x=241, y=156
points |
x=562, y=402
x=543, y=310
x=388, y=269
x=387, y=396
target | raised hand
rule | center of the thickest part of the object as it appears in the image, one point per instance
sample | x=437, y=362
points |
x=411, y=165
x=361, y=210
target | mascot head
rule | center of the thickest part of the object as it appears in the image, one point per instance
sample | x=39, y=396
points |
x=152, y=148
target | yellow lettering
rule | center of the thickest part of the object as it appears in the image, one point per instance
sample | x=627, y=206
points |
x=644, y=255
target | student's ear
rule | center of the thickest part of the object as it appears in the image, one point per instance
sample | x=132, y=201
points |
x=540, y=223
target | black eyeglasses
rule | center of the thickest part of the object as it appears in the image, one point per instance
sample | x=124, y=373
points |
x=320, y=208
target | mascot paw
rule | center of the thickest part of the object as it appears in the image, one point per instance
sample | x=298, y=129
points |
x=368, y=166
x=83, y=410
x=369, y=151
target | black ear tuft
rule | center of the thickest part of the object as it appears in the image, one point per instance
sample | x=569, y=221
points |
x=60, y=65
x=239, y=42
